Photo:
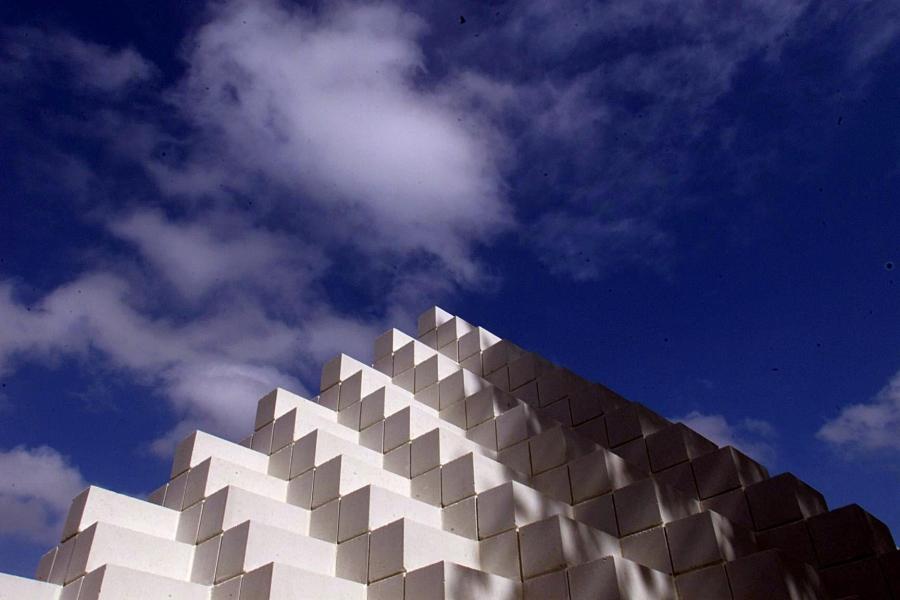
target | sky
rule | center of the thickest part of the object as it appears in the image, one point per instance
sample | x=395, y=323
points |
x=692, y=202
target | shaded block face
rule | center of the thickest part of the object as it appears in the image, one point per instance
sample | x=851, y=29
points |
x=709, y=583
x=769, y=574
x=551, y=586
x=706, y=538
x=599, y=513
x=646, y=504
x=648, y=548
x=449, y=581
x=676, y=444
x=783, y=499
x=857, y=579
x=617, y=578
x=560, y=542
x=725, y=469
x=731, y=505
x=848, y=533
x=792, y=540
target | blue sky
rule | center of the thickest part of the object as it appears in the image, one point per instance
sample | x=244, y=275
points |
x=694, y=203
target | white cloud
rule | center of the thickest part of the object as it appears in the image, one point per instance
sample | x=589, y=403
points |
x=36, y=487
x=330, y=110
x=90, y=65
x=754, y=437
x=867, y=427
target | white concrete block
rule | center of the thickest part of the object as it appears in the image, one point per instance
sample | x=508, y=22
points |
x=103, y=543
x=432, y=318
x=372, y=437
x=410, y=355
x=353, y=559
x=517, y=458
x=323, y=522
x=338, y=369
x=448, y=581
x=559, y=542
x=349, y=416
x=472, y=474
x=19, y=588
x=600, y=472
x=554, y=483
x=306, y=419
x=227, y=590
x=158, y=495
x=476, y=341
x=527, y=367
x=382, y=403
x=115, y=582
x=70, y=591
x=429, y=339
x=706, y=538
x=645, y=504
x=397, y=460
x=499, y=554
x=407, y=424
x=450, y=331
x=95, y=504
x=427, y=487
x=299, y=492
x=649, y=548
x=213, y=474
x=371, y=507
x=274, y=404
x=319, y=447
x=676, y=444
x=599, y=513
x=45, y=565
x=206, y=555
x=616, y=577
x=286, y=582
x=499, y=355
x=189, y=524
x=512, y=505
x=199, y=446
x=459, y=385
x=61, y=562
x=500, y=379
x=329, y=398
x=342, y=475
x=359, y=385
x=232, y=506
x=455, y=414
x=407, y=545
x=556, y=384
x=438, y=447
x=262, y=439
x=550, y=586
x=389, y=588
x=451, y=351
x=280, y=463
x=429, y=397
x=252, y=545
x=432, y=370
x=385, y=365
x=389, y=342
x=485, y=435
x=486, y=404
x=473, y=364
x=557, y=446
x=461, y=518
x=520, y=423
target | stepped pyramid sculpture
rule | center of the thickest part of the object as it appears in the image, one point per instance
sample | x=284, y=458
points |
x=461, y=466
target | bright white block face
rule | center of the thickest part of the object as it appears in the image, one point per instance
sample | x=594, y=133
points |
x=338, y=369
x=287, y=582
x=252, y=545
x=114, y=582
x=97, y=503
x=432, y=318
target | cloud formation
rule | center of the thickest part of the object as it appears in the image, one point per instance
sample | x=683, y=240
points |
x=867, y=427
x=36, y=487
x=754, y=437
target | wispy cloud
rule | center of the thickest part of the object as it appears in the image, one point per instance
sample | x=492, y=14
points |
x=754, y=437
x=867, y=427
x=36, y=487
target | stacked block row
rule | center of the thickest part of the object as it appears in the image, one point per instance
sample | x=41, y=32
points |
x=460, y=465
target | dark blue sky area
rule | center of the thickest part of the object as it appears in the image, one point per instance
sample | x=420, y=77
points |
x=695, y=205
